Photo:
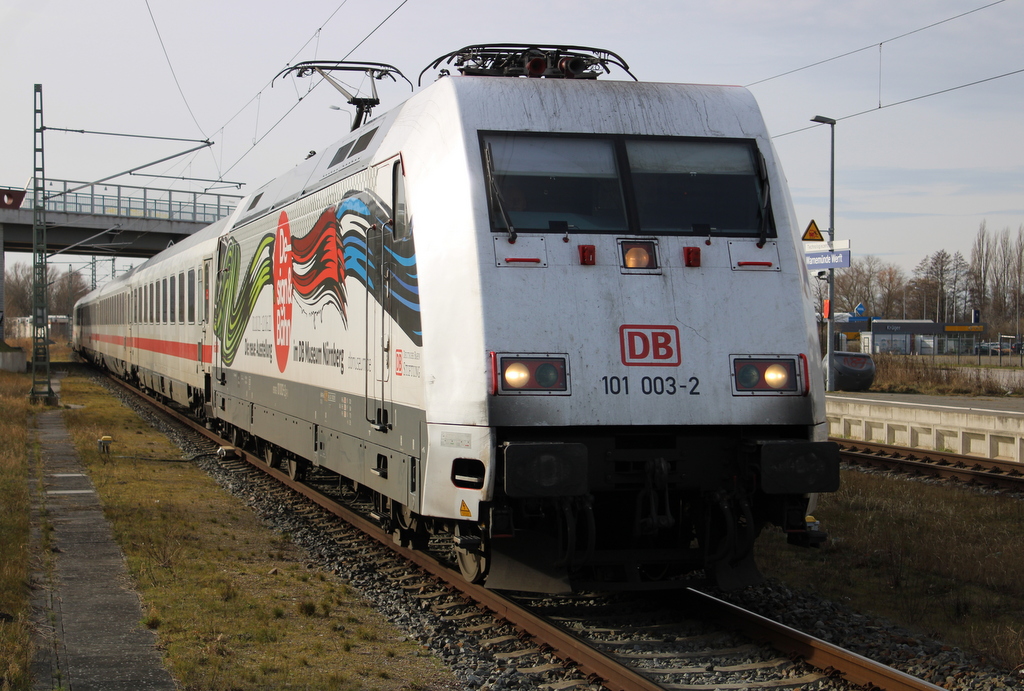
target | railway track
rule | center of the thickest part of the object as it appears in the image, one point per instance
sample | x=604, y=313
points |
x=696, y=642
x=970, y=470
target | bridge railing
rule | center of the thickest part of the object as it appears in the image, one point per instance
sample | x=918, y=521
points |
x=73, y=197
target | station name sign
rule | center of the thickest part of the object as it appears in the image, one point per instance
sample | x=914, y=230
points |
x=827, y=260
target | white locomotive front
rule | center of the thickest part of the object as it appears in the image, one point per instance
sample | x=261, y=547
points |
x=564, y=320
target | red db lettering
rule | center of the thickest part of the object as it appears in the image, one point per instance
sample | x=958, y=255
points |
x=639, y=345
x=649, y=345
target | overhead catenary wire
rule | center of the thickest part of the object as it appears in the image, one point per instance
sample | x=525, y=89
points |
x=311, y=87
x=171, y=67
x=874, y=45
x=907, y=100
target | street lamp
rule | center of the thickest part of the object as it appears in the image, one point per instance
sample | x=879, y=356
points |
x=830, y=348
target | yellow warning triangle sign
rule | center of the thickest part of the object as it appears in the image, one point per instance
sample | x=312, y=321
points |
x=464, y=510
x=812, y=233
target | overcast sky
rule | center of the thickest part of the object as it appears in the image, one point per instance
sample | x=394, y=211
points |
x=915, y=172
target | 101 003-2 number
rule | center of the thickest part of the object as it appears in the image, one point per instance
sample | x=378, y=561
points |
x=657, y=386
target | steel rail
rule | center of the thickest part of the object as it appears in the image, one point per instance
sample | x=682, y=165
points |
x=971, y=469
x=589, y=661
x=831, y=659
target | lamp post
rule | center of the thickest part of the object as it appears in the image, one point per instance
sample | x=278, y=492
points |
x=830, y=348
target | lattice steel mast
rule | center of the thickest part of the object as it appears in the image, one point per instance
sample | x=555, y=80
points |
x=42, y=391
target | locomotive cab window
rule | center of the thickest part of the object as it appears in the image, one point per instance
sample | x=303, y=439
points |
x=537, y=183
x=615, y=184
x=699, y=187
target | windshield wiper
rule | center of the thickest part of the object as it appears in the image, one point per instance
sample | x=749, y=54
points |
x=492, y=185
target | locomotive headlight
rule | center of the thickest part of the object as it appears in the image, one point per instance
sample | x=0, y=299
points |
x=522, y=373
x=767, y=375
x=517, y=375
x=776, y=376
x=637, y=258
x=639, y=255
x=748, y=377
x=546, y=375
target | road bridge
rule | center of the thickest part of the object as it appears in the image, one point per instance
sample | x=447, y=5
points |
x=106, y=220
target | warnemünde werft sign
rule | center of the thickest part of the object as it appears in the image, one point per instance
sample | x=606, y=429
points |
x=827, y=260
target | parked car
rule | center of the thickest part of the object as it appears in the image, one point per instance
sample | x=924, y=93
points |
x=990, y=349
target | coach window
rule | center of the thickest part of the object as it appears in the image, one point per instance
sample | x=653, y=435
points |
x=163, y=302
x=181, y=297
x=170, y=319
x=553, y=183
x=191, y=296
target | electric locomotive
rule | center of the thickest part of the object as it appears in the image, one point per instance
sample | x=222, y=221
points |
x=515, y=309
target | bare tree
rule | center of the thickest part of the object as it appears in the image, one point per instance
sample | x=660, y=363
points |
x=978, y=276
x=66, y=291
x=17, y=291
x=892, y=293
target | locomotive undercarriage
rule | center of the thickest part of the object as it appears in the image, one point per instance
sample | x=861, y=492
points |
x=656, y=507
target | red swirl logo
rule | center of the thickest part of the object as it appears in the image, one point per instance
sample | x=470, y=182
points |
x=282, y=291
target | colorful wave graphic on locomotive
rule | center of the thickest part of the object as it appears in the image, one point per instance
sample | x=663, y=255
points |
x=352, y=239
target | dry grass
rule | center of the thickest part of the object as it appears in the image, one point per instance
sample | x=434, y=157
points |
x=15, y=630
x=59, y=351
x=233, y=604
x=943, y=561
x=913, y=374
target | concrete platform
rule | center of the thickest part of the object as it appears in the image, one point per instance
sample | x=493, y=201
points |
x=86, y=614
x=983, y=426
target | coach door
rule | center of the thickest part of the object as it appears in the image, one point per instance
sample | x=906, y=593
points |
x=203, y=315
x=379, y=319
x=133, y=304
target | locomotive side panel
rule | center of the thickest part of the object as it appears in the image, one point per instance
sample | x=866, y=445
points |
x=317, y=318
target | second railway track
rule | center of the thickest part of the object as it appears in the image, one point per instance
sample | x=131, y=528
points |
x=973, y=470
x=554, y=643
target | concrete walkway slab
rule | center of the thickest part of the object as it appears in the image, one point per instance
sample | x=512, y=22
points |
x=86, y=614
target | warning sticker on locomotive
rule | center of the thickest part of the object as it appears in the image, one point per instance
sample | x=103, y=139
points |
x=649, y=345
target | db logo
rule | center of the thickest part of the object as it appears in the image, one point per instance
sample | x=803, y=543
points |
x=649, y=346
x=399, y=364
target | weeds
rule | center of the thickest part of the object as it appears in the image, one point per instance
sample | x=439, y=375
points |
x=15, y=629
x=915, y=374
x=214, y=580
x=942, y=559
